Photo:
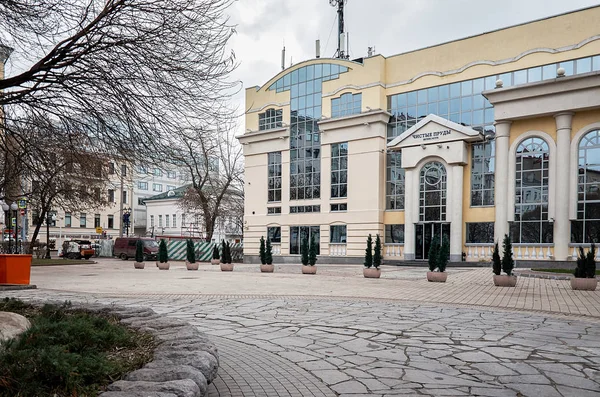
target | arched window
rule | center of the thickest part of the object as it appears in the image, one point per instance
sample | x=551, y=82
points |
x=531, y=223
x=586, y=229
x=432, y=197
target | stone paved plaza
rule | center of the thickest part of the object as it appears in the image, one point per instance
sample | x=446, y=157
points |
x=338, y=334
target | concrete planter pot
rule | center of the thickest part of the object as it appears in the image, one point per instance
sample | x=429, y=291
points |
x=371, y=272
x=163, y=265
x=191, y=266
x=584, y=284
x=505, y=281
x=215, y=261
x=437, y=277
x=267, y=268
x=139, y=265
x=226, y=267
x=309, y=269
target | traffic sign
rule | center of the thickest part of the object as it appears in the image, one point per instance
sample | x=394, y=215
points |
x=99, y=230
x=14, y=221
x=22, y=203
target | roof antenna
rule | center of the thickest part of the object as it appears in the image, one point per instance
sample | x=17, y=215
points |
x=341, y=54
x=283, y=58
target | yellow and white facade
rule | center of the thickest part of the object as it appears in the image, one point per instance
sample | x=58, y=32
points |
x=469, y=140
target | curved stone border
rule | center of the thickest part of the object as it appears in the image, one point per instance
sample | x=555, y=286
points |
x=185, y=361
x=547, y=276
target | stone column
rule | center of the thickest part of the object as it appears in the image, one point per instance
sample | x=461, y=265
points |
x=456, y=213
x=501, y=180
x=562, y=224
x=410, y=217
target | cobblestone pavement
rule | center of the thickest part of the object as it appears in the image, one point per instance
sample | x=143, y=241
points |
x=314, y=346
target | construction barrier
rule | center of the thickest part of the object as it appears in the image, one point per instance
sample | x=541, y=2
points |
x=177, y=249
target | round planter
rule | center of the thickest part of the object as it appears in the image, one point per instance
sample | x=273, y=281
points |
x=371, y=272
x=163, y=265
x=505, y=281
x=191, y=266
x=226, y=267
x=437, y=277
x=139, y=265
x=267, y=268
x=309, y=269
x=584, y=284
x=215, y=261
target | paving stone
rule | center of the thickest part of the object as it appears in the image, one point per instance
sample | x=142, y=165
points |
x=331, y=377
x=529, y=379
x=574, y=392
x=493, y=392
x=181, y=388
x=475, y=357
x=434, y=378
x=573, y=381
x=534, y=390
x=495, y=369
x=350, y=386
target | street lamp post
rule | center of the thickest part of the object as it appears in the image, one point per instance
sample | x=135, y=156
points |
x=14, y=207
x=127, y=219
x=5, y=208
x=50, y=217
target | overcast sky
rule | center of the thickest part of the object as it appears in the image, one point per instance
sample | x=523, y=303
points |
x=392, y=26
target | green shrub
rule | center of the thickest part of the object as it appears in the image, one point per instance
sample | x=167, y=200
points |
x=508, y=263
x=444, y=255
x=496, y=262
x=304, y=251
x=269, y=252
x=226, y=252
x=163, y=255
x=369, y=253
x=215, y=254
x=262, y=251
x=377, y=253
x=139, y=251
x=434, y=253
x=586, y=263
x=190, y=251
x=312, y=251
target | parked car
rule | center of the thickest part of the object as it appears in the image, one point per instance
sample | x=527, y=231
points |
x=77, y=249
x=124, y=248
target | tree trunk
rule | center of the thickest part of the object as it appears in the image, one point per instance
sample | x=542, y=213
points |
x=37, y=230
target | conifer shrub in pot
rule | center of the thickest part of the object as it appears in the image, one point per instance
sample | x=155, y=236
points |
x=308, y=253
x=226, y=265
x=216, y=257
x=163, y=256
x=266, y=256
x=439, y=255
x=372, y=259
x=139, y=255
x=585, y=272
x=190, y=254
x=507, y=264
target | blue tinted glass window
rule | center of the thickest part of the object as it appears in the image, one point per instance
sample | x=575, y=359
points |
x=568, y=66
x=534, y=75
x=444, y=92
x=454, y=90
x=432, y=94
x=490, y=82
x=520, y=77
x=549, y=72
x=596, y=63
x=507, y=80
x=295, y=76
x=422, y=96
x=326, y=70
x=584, y=65
x=466, y=88
x=412, y=98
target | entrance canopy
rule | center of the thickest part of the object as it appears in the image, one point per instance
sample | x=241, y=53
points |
x=434, y=130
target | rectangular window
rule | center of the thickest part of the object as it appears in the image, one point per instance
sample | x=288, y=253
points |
x=151, y=220
x=111, y=222
x=157, y=187
x=82, y=220
x=97, y=220
x=182, y=220
x=67, y=219
x=171, y=174
x=142, y=169
x=341, y=207
x=141, y=201
x=160, y=221
x=158, y=172
x=111, y=168
x=339, y=170
x=124, y=197
x=124, y=170
x=337, y=234
x=271, y=118
x=111, y=196
x=170, y=187
x=274, y=181
x=274, y=234
x=301, y=233
x=167, y=223
x=394, y=194
x=174, y=220
x=482, y=174
x=143, y=185
x=346, y=105
x=394, y=234
x=480, y=233
x=301, y=209
x=274, y=210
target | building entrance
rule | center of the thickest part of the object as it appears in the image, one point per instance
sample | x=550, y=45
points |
x=424, y=233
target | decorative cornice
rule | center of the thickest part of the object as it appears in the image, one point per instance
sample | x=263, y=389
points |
x=279, y=105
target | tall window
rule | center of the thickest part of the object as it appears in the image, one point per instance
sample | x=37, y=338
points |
x=299, y=233
x=151, y=220
x=167, y=223
x=586, y=229
x=480, y=233
x=67, y=219
x=482, y=174
x=531, y=223
x=124, y=197
x=158, y=172
x=111, y=168
x=157, y=187
x=160, y=221
x=274, y=234
x=111, y=196
x=274, y=189
x=143, y=185
x=97, y=220
x=432, y=197
x=394, y=193
x=346, y=105
x=271, y=118
x=82, y=220
x=394, y=234
x=111, y=221
x=174, y=220
x=172, y=174
x=337, y=234
x=339, y=170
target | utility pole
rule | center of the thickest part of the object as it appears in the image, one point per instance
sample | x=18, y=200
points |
x=123, y=173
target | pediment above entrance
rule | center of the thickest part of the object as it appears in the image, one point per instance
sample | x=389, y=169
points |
x=434, y=130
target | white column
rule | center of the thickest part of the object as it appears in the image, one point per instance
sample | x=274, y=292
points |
x=456, y=213
x=562, y=224
x=501, y=180
x=410, y=217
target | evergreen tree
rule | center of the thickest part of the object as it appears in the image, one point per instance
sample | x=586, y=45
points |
x=304, y=251
x=444, y=255
x=269, y=252
x=261, y=251
x=312, y=251
x=215, y=254
x=580, y=270
x=228, y=252
x=377, y=253
x=369, y=253
x=508, y=263
x=496, y=262
x=163, y=255
x=139, y=251
x=591, y=262
x=434, y=253
x=190, y=251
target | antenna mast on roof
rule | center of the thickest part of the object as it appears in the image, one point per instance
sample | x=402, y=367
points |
x=342, y=39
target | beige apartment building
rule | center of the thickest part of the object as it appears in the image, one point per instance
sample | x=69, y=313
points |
x=469, y=140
